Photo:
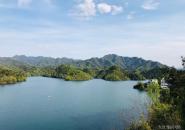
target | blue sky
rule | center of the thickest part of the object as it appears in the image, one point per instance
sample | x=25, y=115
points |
x=151, y=29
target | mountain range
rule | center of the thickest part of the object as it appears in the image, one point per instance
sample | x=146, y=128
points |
x=128, y=63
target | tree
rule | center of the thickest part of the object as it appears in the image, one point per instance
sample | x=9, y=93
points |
x=153, y=90
x=183, y=61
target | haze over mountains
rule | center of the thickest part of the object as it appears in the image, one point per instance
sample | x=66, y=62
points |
x=128, y=63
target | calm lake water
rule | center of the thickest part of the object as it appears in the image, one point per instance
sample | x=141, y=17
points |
x=54, y=104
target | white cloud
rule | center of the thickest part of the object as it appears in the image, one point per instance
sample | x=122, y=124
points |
x=86, y=8
x=116, y=9
x=24, y=3
x=105, y=8
x=150, y=5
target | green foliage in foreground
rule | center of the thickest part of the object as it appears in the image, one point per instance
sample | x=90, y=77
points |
x=71, y=73
x=161, y=113
x=142, y=124
x=153, y=90
x=167, y=108
x=164, y=115
x=177, y=93
x=9, y=76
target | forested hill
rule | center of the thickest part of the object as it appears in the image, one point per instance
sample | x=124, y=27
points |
x=128, y=63
x=110, y=67
x=41, y=61
x=13, y=63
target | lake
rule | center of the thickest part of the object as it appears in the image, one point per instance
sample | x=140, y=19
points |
x=53, y=104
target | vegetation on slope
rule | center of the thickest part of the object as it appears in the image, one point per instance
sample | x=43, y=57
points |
x=136, y=75
x=167, y=108
x=92, y=72
x=127, y=63
x=113, y=73
x=41, y=61
x=68, y=72
x=157, y=73
x=142, y=124
x=10, y=76
x=104, y=68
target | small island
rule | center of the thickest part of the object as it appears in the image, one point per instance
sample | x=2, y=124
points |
x=141, y=86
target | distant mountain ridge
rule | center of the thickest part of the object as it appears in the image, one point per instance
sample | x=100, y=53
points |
x=128, y=63
x=13, y=63
x=41, y=61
